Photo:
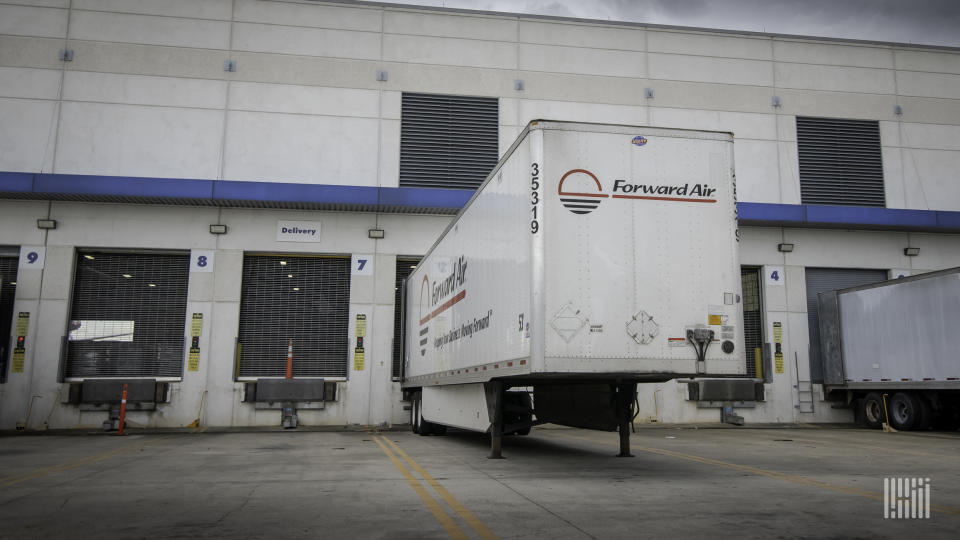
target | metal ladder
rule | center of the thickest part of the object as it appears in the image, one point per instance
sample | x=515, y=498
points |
x=804, y=390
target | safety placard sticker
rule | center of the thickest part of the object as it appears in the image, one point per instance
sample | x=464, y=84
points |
x=196, y=325
x=358, y=359
x=193, y=360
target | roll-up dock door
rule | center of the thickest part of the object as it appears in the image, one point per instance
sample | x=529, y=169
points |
x=8, y=290
x=828, y=279
x=303, y=300
x=128, y=315
x=405, y=267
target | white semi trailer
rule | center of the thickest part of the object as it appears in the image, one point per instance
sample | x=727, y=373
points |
x=592, y=258
x=889, y=350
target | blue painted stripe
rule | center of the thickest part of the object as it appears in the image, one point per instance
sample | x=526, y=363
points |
x=222, y=191
x=16, y=182
x=124, y=186
x=230, y=190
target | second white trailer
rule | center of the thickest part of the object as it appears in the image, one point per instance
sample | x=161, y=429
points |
x=592, y=258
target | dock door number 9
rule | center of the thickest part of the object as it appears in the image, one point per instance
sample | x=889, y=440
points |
x=534, y=196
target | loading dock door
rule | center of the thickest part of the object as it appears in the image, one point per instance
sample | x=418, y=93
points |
x=8, y=290
x=752, y=320
x=301, y=298
x=828, y=279
x=405, y=267
x=128, y=315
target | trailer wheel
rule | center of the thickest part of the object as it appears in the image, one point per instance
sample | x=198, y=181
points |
x=415, y=414
x=872, y=410
x=905, y=411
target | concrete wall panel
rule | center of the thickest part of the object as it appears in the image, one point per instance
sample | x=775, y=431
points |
x=207, y=9
x=742, y=125
x=149, y=30
x=144, y=90
x=17, y=51
x=835, y=78
x=582, y=35
x=124, y=58
x=128, y=140
x=27, y=134
x=753, y=48
x=455, y=26
x=315, y=15
x=934, y=61
x=677, y=67
x=757, y=170
x=298, y=148
x=306, y=41
x=530, y=109
x=803, y=52
x=29, y=83
x=582, y=61
x=936, y=85
x=296, y=99
x=33, y=21
x=449, y=51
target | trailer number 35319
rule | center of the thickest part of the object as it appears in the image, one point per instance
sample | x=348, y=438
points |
x=534, y=196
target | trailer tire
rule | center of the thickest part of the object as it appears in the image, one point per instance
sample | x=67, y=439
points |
x=415, y=417
x=872, y=410
x=905, y=411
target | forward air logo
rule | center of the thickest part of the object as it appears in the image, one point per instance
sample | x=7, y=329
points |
x=580, y=197
x=439, y=296
x=581, y=192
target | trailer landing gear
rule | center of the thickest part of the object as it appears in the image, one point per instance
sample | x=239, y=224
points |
x=495, y=400
x=625, y=397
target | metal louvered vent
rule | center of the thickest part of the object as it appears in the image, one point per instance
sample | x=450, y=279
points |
x=828, y=279
x=8, y=290
x=301, y=298
x=752, y=320
x=405, y=267
x=840, y=161
x=128, y=315
x=447, y=141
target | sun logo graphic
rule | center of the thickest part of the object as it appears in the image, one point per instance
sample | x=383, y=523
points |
x=580, y=191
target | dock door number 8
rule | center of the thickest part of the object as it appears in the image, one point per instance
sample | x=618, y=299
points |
x=534, y=196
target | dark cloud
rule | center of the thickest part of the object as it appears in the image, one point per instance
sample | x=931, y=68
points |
x=928, y=22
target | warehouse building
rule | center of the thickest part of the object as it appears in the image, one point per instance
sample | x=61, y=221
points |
x=194, y=193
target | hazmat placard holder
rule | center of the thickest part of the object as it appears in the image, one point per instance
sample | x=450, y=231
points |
x=361, y=333
x=19, y=348
x=196, y=329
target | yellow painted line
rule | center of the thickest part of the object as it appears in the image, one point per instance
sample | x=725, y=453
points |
x=452, y=529
x=53, y=469
x=461, y=510
x=769, y=474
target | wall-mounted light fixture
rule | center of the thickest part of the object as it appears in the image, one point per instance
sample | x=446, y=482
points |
x=46, y=224
x=376, y=233
x=648, y=93
x=911, y=251
x=897, y=110
x=775, y=101
x=381, y=75
x=218, y=229
x=784, y=248
x=518, y=84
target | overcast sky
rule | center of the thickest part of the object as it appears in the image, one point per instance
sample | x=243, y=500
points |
x=928, y=22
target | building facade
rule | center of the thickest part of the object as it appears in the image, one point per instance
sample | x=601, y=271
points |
x=131, y=128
